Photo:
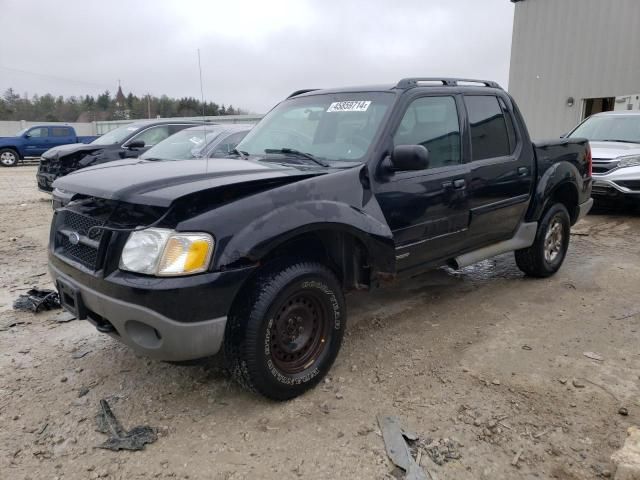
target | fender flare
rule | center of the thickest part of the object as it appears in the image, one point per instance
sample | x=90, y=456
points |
x=262, y=235
x=556, y=176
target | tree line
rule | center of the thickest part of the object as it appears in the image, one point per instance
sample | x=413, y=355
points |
x=87, y=108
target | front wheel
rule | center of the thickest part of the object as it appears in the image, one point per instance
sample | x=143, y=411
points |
x=8, y=157
x=545, y=256
x=286, y=331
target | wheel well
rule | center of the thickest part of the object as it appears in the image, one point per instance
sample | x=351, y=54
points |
x=14, y=149
x=567, y=195
x=342, y=252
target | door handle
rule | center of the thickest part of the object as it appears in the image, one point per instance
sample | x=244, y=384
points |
x=523, y=171
x=459, y=183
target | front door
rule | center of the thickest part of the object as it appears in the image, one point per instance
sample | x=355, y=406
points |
x=37, y=142
x=428, y=210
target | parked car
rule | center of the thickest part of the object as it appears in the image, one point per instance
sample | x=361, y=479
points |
x=34, y=141
x=615, y=146
x=210, y=141
x=128, y=141
x=333, y=190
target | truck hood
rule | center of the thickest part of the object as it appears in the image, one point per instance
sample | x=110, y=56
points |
x=159, y=183
x=611, y=150
x=56, y=153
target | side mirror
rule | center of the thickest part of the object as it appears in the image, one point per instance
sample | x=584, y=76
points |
x=136, y=144
x=27, y=135
x=409, y=157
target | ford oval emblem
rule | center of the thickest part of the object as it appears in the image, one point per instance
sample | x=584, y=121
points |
x=74, y=238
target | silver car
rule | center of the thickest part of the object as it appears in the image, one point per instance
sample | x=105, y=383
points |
x=615, y=147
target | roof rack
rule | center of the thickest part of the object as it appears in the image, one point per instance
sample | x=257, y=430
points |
x=447, y=82
x=300, y=92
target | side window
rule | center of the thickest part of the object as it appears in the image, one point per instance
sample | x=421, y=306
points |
x=489, y=136
x=39, y=132
x=153, y=135
x=225, y=146
x=60, y=132
x=433, y=123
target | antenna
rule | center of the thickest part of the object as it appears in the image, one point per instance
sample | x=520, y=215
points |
x=204, y=130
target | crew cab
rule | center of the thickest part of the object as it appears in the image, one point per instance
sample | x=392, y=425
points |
x=615, y=145
x=34, y=141
x=127, y=141
x=332, y=191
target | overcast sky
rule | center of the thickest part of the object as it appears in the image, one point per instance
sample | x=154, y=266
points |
x=254, y=53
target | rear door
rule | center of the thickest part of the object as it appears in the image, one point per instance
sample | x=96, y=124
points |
x=428, y=210
x=501, y=169
x=61, y=136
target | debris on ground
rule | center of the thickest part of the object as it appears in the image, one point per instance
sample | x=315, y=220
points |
x=36, y=300
x=64, y=317
x=627, y=459
x=119, y=439
x=7, y=323
x=594, y=356
x=395, y=443
x=78, y=354
x=623, y=411
x=441, y=450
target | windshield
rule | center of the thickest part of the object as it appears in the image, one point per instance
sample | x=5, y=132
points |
x=116, y=136
x=22, y=132
x=184, y=145
x=338, y=127
x=622, y=128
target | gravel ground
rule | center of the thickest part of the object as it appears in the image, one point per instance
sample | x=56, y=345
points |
x=483, y=362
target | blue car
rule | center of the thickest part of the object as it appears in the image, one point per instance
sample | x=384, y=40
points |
x=34, y=141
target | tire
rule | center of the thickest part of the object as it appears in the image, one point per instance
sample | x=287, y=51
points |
x=545, y=256
x=287, y=329
x=9, y=157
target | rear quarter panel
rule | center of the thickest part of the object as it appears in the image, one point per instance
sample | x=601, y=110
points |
x=559, y=162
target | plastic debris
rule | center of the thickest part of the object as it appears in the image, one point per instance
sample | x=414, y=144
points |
x=119, y=439
x=36, y=300
x=397, y=449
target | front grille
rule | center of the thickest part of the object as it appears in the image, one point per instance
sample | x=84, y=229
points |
x=75, y=241
x=603, y=166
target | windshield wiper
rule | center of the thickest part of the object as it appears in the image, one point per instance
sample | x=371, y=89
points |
x=153, y=159
x=241, y=153
x=614, y=140
x=297, y=153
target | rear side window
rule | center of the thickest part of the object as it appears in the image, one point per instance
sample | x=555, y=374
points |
x=489, y=133
x=433, y=123
x=60, y=132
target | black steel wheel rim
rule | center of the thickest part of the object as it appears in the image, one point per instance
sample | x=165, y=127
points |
x=300, y=332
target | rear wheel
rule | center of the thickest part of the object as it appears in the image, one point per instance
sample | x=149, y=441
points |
x=285, y=335
x=8, y=157
x=545, y=256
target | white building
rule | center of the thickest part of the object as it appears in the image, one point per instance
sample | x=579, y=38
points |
x=573, y=58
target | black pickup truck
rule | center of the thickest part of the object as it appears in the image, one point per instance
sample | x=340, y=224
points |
x=334, y=190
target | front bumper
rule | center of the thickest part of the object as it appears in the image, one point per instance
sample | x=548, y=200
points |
x=620, y=183
x=45, y=181
x=137, y=318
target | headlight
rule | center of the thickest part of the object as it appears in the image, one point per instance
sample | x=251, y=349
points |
x=162, y=252
x=630, y=161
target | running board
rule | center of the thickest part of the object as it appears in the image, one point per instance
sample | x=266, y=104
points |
x=524, y=238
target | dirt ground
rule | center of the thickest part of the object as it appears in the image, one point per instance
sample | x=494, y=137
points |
x=491, y=360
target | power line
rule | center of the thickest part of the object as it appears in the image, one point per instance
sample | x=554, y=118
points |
x=45, y=75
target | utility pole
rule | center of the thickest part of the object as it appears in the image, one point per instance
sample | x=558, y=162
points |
x=148, y=105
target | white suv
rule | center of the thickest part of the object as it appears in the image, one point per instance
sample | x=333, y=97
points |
x=615, y=146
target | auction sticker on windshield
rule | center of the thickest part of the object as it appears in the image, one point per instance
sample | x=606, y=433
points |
x=349, y=106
